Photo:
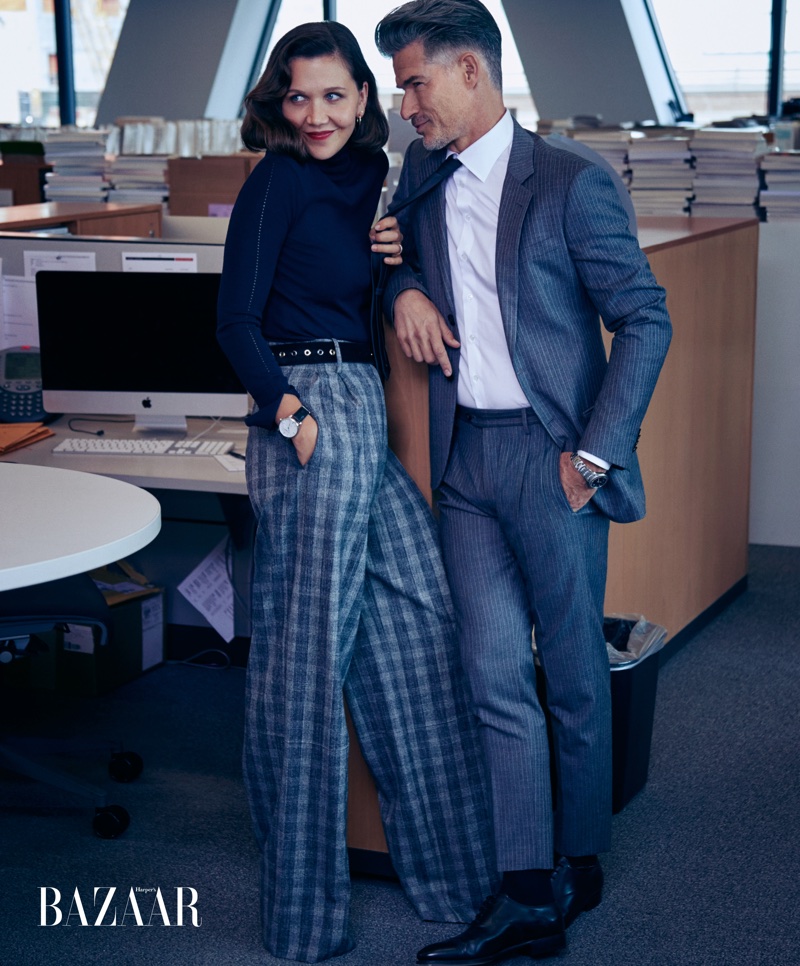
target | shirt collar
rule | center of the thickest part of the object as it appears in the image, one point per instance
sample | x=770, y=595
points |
x=481, y=156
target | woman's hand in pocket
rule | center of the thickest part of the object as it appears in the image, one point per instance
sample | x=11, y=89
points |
x=305, y=442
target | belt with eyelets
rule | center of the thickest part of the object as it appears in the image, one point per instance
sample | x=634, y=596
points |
x=305, y=353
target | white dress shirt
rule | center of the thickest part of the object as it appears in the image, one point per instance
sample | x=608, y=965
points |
x=486, y=377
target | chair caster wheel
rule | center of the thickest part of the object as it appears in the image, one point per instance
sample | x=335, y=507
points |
x=125, y=766
x=110, y=822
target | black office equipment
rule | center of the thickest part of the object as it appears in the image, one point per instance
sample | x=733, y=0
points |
x=20, y=385
x=135, y=343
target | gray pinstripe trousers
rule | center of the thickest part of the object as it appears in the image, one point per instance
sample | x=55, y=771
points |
x=517, y=556
x=350, y=595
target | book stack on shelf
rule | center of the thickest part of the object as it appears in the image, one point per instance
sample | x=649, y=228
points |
x=780, y=191
x=138, y=151
x=78, y=160
x=218, y=136
x=611, y=143
x=138, y=179
x=143, y=136
x=661, y=175
x=726, y=179
x=20, y=132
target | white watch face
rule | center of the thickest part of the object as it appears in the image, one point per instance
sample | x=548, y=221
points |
x=288, y=427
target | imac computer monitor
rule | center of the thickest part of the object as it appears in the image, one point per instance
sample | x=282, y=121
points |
x=134, y=343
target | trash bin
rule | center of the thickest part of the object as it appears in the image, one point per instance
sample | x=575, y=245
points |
x=632, y=644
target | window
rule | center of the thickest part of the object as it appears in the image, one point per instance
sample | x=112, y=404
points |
x=28, y=78
x=362, y=16
x=791, y=47
x=292, y=14
x=721, y=59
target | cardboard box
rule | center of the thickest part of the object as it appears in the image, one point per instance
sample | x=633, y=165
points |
x=136, y=643
x=198, y=185
x=74, y=662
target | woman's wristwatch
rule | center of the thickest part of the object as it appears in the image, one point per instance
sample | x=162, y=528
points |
x=289, y=426
x=593, y=479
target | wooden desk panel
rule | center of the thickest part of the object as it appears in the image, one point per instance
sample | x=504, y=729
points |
x=692, y=546
x=86, y=218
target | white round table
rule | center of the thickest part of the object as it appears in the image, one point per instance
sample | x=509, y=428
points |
x=55, y=523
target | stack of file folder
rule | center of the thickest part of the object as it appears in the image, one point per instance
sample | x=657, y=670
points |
x=16, y=435
x=661, y=175
x=726, y=179
x=78, y=158
x=611, y=143
x=780, y=193
x=138, y=179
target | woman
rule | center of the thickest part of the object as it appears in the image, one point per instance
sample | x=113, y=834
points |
x=349, y=592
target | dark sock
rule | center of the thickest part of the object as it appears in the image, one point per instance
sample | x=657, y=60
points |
x=531, y=887
x=581, y=861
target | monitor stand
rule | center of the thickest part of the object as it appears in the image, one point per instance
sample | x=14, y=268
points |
x=159, y=424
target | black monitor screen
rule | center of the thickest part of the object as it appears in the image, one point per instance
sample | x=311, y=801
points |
x=131, y=331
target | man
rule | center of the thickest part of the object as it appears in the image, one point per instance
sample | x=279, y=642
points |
x=509, y=265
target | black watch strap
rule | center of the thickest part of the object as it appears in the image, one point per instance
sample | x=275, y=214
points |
x=289, y=426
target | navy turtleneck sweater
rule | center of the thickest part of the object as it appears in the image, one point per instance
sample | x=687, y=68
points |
x=297, y=263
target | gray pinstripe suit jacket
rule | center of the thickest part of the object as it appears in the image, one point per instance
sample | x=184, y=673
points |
x=564, y=257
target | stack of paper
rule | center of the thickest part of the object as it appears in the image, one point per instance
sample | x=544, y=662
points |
x=612, y=144
x=780, y=196
x=16, y=435
x=661, y=175
x=726, y=162
x=78, y=158
x=137, y=178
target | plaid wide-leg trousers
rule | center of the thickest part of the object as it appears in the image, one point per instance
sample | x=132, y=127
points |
x=350, y=596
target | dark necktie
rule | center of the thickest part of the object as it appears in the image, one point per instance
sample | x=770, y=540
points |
x=380, y=269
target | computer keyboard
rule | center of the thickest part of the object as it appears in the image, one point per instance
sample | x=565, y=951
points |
x=103, y=446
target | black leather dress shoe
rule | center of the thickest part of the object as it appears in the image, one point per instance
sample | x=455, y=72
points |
x=577, y=888
x=502, y=928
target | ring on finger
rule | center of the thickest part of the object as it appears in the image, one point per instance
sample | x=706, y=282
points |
x=399, y=248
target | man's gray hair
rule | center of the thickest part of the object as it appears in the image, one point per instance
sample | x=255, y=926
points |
x=443, y=27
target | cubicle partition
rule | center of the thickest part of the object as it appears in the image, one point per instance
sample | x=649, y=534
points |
x=677, y=566
x=108, y=251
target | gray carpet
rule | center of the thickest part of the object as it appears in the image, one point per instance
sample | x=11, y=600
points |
x=703, y=872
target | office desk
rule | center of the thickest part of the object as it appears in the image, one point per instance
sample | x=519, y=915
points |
x=57, y=522
x=192, y=473
x=85, y=218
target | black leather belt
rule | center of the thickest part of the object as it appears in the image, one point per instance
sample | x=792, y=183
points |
x=305, y=353
x=490, y=418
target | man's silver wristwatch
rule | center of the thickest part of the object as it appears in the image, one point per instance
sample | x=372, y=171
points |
x=593, y=479
x=289, y=426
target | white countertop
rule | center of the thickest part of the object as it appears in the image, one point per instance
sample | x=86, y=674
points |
x=58, y=522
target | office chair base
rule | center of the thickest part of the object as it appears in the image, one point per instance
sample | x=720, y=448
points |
x=110, y=822
x=125, y=766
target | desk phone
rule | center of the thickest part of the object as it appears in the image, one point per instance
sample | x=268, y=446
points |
x=21, y=385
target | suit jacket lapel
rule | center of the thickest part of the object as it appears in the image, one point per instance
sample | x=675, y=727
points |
x=514, y=203
x=431, y=223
